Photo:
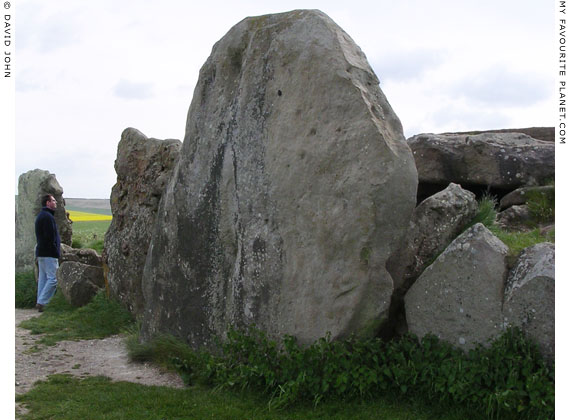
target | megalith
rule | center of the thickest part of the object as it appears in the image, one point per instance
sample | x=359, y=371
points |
x=32, y=185
x=500, y=161
x=143, y=167
x=293, y=187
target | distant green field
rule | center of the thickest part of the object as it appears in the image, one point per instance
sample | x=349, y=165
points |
x=90, y=234
x=89, y=210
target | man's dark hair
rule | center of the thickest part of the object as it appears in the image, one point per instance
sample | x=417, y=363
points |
x=45, y=199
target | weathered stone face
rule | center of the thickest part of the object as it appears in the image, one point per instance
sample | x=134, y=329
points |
x=529, y=296
x=293, y=186
x=523, y=194
x=503, y=161
x=459, y=297
x=143, y=167
x=515, y=218
x=434, y=224
x=83, y=255
x=79, y=282
x=32, y=185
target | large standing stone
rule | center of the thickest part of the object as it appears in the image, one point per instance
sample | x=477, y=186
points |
x=293, y=187
x=143, y=167
x=459, y=297
x=32, y=185
x=503, y=161
x=529, y=295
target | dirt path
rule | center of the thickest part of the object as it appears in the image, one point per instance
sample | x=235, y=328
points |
x=107, y=357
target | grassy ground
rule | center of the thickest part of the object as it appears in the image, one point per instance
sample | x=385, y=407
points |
x=26, y=290
x=61, y=321
x=90, y=234
x=64, y=397
x=517, y=241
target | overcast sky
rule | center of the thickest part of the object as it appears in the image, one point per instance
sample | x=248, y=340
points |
x=85, y=71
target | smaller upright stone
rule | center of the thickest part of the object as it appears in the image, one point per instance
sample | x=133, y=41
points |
x=459, y=297
x=529, y=296
x=434, y=224
x=32, y=185
x=143, y=167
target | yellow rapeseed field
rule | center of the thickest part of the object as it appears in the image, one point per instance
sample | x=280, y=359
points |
x=79, y=216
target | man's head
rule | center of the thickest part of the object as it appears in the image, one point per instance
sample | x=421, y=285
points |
x=49, y=201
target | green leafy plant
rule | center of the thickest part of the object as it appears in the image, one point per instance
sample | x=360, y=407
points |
x=509, y=379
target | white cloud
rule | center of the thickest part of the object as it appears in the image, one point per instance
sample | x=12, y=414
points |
x=407, y=64
x=504, y=87
x=133, y=90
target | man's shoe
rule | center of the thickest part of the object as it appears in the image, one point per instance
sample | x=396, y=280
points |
x=40, y=308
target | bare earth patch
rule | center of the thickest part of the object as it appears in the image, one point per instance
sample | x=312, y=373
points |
x=106, y=357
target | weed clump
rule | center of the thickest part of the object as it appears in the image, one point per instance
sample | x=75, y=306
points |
x=541, y=205
x=487, y=212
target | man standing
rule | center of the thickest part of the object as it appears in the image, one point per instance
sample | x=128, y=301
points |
x=47, y=251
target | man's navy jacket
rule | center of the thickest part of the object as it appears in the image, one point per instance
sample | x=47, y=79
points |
x=48, y=241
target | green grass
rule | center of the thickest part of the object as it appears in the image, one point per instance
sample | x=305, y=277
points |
x=90, y=234
x=65, y=397
x=61, y=321
x=487, y=212
x=26, y=290
x=517, y=241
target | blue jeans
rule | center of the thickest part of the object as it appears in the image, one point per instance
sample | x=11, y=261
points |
x=47, y=280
